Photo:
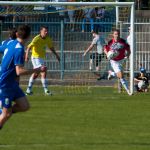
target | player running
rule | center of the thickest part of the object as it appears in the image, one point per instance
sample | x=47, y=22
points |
x=118, y=44
x=12, y=65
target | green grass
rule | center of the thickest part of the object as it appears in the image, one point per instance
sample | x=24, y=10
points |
x=94, y=119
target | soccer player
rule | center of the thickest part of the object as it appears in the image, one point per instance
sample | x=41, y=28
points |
x=12, y=65
x=38, y=47
x=120, y=45
x=12, y=36
x=99, y=42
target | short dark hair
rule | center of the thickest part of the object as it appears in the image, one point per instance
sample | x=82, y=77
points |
x=23, y=31
x=12, y=33
x=43, y=27
x=95, y=31
x=116, y=30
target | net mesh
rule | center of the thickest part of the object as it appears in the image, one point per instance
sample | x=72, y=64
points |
x=76, y=74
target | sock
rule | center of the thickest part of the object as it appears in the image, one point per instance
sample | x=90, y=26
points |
x=44, y=83
x=31, y=81
x=91, y=64
x=124, y=83
x=113, y=74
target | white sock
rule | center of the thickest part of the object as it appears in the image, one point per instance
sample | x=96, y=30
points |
x=91, y=64
x=44, y=83
x=31, y=81
x=113, y=74
x=124, y=83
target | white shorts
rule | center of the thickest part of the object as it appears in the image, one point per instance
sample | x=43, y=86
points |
x=37, y=62
x=117, y=66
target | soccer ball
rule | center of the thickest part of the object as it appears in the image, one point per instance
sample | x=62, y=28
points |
x=112, y=54
x=142, y=85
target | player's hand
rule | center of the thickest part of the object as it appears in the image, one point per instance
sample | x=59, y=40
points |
x=84, y=54
x=58, y=58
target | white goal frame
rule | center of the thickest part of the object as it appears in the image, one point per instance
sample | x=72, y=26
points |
x=117, y=4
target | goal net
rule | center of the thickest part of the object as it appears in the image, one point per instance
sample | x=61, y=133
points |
x=70, y=25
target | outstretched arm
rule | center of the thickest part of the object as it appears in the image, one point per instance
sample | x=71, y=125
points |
x=20, y=70
x=88, y=49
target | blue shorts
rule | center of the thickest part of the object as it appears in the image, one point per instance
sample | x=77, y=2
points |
x=7, y=95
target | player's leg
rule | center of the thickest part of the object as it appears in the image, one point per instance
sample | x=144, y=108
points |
x=117, y=67
x=92, y=57
x=30, y=84
x=111, y=74
x=5, y=115
x=97, y=63
x=92, y=24
x=21, y=105
x=44, y=83
x=7, y=95
x=83, y=24
x=36, y=62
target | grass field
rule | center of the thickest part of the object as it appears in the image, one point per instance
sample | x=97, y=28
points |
x=94, y=119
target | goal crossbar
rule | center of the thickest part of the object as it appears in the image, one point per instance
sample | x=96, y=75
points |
x=67, y=3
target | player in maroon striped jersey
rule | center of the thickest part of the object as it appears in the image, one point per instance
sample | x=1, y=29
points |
x=120, y=45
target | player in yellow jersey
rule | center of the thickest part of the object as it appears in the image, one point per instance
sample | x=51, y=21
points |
x=38, y=53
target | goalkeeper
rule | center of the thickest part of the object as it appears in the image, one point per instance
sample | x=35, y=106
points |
x=118, y=44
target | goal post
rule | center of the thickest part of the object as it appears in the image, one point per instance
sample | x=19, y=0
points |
x=90, y=4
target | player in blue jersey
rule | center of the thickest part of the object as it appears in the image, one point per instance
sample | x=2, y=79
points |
x=12, y=65
x=12, y=36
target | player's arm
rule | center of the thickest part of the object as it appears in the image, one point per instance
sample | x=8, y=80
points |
x=20, y=70
x=105, y=49
x=27, y=53
x=29, y=47
x=51, y=47
x=88, y=49
x=54, y=52
x=136, y=80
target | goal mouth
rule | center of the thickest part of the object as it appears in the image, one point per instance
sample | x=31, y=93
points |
x=70, y=38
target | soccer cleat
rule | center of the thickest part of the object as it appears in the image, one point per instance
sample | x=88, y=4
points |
x=29, y=93
x=48, y=93
x=129, y=93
